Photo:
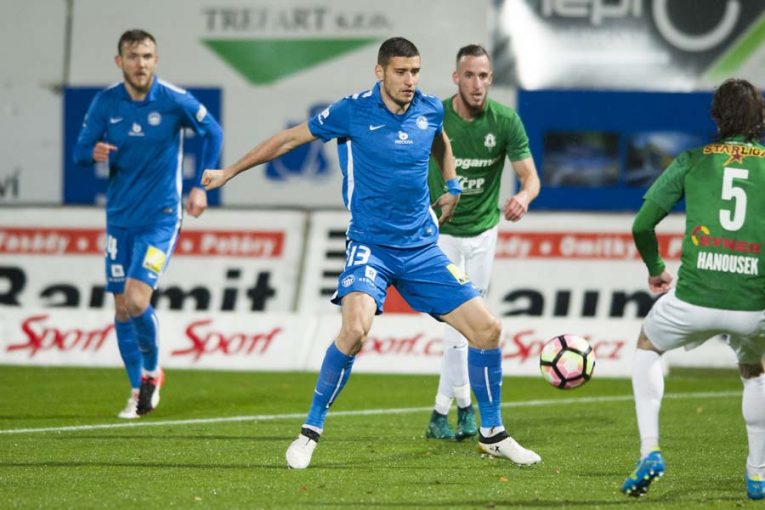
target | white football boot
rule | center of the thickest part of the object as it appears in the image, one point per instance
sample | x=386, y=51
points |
x=129, y=413
x=301, y=449
x=506, y=447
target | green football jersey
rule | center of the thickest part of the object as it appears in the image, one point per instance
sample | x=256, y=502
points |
x=723, y=184
x=480, y=148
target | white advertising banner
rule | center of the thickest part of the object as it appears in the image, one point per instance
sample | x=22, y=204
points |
x=232, y=341
x=225, y=260
x=413, y=344
x=576, y=266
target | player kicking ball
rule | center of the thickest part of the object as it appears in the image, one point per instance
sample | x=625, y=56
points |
x=721, y=283
x=385, y=137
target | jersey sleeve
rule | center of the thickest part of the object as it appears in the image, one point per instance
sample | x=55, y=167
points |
x=669, y=187
x=517, y=147
x=92, y=131
x=332, y=122
x=196, y=117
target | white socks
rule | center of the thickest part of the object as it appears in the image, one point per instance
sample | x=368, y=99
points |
x=648, y=389
x=753, y=409
x=453, y=383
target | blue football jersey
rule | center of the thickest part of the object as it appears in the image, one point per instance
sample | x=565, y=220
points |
x=145, y=172
x=384, y=161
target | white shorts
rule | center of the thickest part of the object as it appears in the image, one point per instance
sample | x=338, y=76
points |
x=474, y=256
x=673, y=323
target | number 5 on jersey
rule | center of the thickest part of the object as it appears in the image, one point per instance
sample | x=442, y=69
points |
x=734, y=220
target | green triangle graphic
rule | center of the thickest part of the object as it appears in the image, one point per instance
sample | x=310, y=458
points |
x=264, y=61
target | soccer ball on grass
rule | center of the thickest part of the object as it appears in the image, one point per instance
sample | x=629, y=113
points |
x=567, y=361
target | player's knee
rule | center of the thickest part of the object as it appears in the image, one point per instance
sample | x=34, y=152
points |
x=750, y=370
x=135, y=303
x=351, y=337
x=487, y=335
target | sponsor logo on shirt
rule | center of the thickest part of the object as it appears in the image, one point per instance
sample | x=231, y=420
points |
x=403, y=139
x=711, y=259
x=136, y=130
x=468, y=163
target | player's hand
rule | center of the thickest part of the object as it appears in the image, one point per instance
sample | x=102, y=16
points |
x=212, y=179
x=446, y=202
x=661, y=283
x=101, y=151
x=516, y=207
x=197, y=202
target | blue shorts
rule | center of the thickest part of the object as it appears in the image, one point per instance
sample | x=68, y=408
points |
x=141, y=253
x=424, y=277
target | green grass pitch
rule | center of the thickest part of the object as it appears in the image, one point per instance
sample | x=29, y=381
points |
x=218, y=439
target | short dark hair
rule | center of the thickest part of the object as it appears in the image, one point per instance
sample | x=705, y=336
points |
x=738, y=109
x=134, y=36
x=396, y=47
x=472, y=50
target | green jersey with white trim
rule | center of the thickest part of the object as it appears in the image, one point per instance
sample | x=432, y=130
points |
x=722, y=262
x=480, y=147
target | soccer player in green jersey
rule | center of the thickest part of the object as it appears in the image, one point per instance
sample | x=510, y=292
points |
x=483, y=133
x=721, y=281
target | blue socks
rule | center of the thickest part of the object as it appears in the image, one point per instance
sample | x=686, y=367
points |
x=485, y=372
x=131, y=356
x=146, y=326
x=334, y=373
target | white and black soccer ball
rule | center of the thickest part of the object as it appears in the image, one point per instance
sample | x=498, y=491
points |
x=567, y=361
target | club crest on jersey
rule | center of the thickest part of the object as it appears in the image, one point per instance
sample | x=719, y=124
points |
x=490, y=141
x=403, y=139
x=154, y=119
x=422, y=122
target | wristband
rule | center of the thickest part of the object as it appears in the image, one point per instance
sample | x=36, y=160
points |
x=453, y=186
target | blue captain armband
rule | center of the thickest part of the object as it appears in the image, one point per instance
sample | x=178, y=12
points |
x=453, y=186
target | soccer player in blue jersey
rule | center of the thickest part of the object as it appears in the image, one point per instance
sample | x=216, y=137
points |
x=136, y=126
x=385, y=137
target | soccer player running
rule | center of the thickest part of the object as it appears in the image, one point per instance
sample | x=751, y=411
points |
x=385, y=137
x=482, y=134
x=721, y=281
x=136, y=126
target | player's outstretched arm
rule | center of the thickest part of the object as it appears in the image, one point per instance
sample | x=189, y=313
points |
x=517, y=205
x=442, y=154
x=281, y=143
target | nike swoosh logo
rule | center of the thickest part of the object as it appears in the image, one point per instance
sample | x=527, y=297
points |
x=115, y=120
x=375, y=128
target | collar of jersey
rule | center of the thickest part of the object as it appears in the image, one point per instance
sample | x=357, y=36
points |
x=378, y=97
x=151, y=96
